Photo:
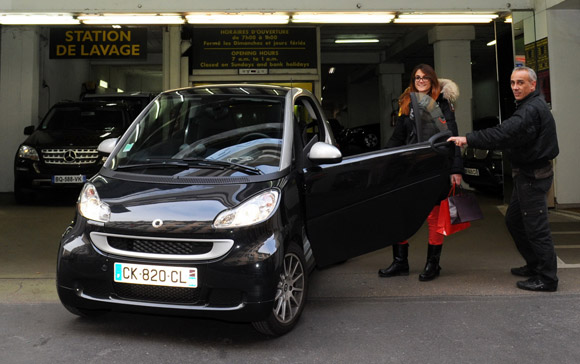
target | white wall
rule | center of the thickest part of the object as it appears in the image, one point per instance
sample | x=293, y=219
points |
x=18, y=93
x=563, y=28
x=93, y=6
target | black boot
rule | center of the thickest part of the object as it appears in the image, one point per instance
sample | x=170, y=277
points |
x=400, y=265
x=432, y=267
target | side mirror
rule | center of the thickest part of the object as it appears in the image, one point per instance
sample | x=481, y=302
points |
x=323, y=153
x=29, y=130
x=107, y=146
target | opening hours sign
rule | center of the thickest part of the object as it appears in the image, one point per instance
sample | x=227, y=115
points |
x=253, y=48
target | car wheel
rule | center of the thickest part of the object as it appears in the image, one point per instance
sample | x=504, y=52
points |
x=371, y=140
x=290, y=296
x=83, y=312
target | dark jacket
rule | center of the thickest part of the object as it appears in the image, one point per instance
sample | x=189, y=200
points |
x=528, y=137
x=405, y=126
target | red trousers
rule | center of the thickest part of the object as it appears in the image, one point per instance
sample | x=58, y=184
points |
x=435, y=238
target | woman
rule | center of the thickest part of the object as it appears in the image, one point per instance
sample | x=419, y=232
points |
x=445, y=92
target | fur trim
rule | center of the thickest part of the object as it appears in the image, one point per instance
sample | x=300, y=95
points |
x=449, y=89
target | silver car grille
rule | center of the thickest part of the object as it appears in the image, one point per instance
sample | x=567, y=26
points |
x=70, y=156
x=161, y=248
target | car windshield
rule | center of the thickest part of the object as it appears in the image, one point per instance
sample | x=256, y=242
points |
x=210, y=133
x=83, y=118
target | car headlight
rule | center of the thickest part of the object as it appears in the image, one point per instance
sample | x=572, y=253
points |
x=26, y=152
x=91, y=206
x=253, y=211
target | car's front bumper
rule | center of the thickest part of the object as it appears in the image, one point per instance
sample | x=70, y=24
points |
x=239, y=286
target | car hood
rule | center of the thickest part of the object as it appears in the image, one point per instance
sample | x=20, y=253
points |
x=66, y=138
x=183, y=209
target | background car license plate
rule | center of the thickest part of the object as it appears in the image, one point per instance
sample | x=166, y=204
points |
x=69, y=179
x=471, y=171
x=156, y=275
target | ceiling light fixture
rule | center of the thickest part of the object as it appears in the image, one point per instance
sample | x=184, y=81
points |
x=342, y=18
x=492, y=43
x=37, y=19
x=354, y=40
x=237, y=18
x=115, y=19
x=445, y=18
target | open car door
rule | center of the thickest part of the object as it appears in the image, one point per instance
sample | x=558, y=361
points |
x=372, y=200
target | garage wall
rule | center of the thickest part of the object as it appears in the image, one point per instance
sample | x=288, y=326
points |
x=18, y=95
x=564, y=50
x=260, y=5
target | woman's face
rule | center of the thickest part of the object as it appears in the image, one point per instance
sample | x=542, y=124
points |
x=422, y=82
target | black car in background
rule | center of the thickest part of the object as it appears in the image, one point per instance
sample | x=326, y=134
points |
x=356, y=140
x=483, y=168
x=219, y=200
x=134, y=101
x=61, y=153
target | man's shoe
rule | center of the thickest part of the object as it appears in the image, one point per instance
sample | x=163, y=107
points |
x=536, y=284
x=523, y=272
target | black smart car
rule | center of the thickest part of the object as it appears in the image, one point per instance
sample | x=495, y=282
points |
x=219, y=200
x=61, y=153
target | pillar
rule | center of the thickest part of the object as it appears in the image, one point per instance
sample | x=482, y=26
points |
x=18, y=93
x=172, y=57
x=390, y=87
x=452, y=58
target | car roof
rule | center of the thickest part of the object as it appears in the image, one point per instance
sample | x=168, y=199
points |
x=120, y=95
x=243, y=89
x=90, y=104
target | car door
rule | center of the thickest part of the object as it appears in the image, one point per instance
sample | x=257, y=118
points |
x=371, y=200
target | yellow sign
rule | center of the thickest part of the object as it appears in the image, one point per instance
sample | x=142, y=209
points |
x=98, y=43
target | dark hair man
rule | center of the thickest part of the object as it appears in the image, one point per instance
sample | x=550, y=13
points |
x=530, y=143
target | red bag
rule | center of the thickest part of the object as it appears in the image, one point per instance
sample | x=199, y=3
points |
x=444, y=225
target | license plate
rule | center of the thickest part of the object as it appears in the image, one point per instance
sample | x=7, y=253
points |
x=69, y=179
x=471, y=171
x=156, y=275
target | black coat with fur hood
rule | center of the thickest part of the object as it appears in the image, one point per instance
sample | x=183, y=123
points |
x=405, y=125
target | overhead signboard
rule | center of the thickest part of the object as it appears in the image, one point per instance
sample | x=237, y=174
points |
x=98, y=43
x=253, y=48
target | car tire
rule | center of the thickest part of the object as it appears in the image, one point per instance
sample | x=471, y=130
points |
x=22, y=197
x=290, y=295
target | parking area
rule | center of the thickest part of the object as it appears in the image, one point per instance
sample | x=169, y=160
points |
x=475, y=261
x=472, y=313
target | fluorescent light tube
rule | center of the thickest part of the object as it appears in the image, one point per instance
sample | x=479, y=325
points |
x=445, y=18
x=112, y=19
x=37, y=19
x=342, y=18
x=240, y=18
x=356, y=41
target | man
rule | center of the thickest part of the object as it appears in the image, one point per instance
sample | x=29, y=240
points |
x=530, y=143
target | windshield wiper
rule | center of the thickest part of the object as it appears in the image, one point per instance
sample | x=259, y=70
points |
x=223, y=164
x=170, y=164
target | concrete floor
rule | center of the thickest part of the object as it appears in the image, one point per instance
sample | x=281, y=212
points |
x=475, y=261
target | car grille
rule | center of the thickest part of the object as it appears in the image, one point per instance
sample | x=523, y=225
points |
x=159, y=294
x=149, y=247
x=71, y=156
x=160, y=246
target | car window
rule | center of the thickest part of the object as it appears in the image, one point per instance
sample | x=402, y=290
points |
x=77, y=118
x=307, y=121
x=240, y=129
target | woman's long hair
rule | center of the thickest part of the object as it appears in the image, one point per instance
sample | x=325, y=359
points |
x=405, y=98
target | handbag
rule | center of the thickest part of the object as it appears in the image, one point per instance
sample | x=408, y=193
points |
x=444, y=225
x=463, y=207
